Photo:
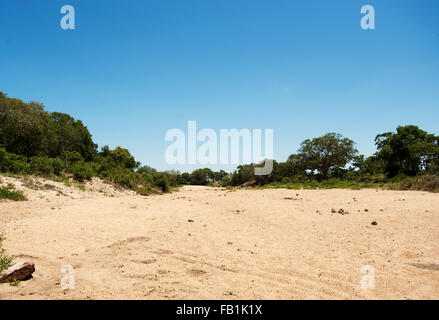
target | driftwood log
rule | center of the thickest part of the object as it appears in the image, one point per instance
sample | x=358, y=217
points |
x=18, y=271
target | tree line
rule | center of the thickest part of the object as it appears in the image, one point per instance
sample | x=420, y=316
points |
x=408, y=158
x=34, y=141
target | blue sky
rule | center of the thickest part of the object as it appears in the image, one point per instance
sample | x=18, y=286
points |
x=133, y=69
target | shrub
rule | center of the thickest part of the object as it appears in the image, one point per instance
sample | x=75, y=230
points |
x=57, y=165
x=10, y=162
x=428, y=183
x=41, y=165
x=70, y=157
x=82, y=171
x=184, y=178
x=123, y=177
x=225, y=181
x=145, y=190
x=6, y=193
x=162, y=181
x=5, y=260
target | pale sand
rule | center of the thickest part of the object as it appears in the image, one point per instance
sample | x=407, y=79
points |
x=134, y=247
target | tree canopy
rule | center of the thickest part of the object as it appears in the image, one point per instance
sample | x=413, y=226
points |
x=326, y=154
x=408, y=151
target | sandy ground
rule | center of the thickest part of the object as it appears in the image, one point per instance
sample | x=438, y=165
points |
x=209, y=243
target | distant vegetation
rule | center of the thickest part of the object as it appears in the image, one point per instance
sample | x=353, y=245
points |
x=407, y=159
x=52, y=144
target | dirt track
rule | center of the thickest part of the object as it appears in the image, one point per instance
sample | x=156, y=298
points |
x=206, y=243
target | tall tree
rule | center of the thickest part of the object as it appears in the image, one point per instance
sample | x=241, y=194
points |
x=22, y=126
x=327, y=154
x=409, y=151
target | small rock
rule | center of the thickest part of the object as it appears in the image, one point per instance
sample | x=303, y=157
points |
x=341, y=211
x=190, y=220
x=374, y=223
x=333, y=211
x=366, y=210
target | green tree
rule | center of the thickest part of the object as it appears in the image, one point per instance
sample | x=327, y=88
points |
x=408, y=151
x=22, y=126
x=201, y=176
x=65, y=134
x=117, y=158
x=326, y=154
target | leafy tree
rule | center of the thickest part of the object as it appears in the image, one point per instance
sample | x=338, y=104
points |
x=161, y=180
x=119, y=157
x=22, y=126
x=65, y=134
x=244, y=173
x=184, y=178
x=201, y=176
x=326, y=154
x=408, y=151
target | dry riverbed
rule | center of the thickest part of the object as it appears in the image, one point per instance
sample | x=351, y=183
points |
x=211, y=243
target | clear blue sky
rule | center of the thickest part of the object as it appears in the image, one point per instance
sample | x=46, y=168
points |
x=134, y=69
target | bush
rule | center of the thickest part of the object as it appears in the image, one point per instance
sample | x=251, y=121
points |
x=161, y=180
x=226, y=181
x=5, y=260
x=428, y=183
x=15, y=195
x=41, y=165
x=184, y=178
x=123, y=177
x=10, y=162
x=57, y=165
x=82, y=171
x=70, y=157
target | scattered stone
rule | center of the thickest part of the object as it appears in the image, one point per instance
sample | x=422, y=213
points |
x=374, y=223
x=229, y=243
x=341, y=211
x=366, y=210
x=18, y=271
x=333, y=211
x=190, y=220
